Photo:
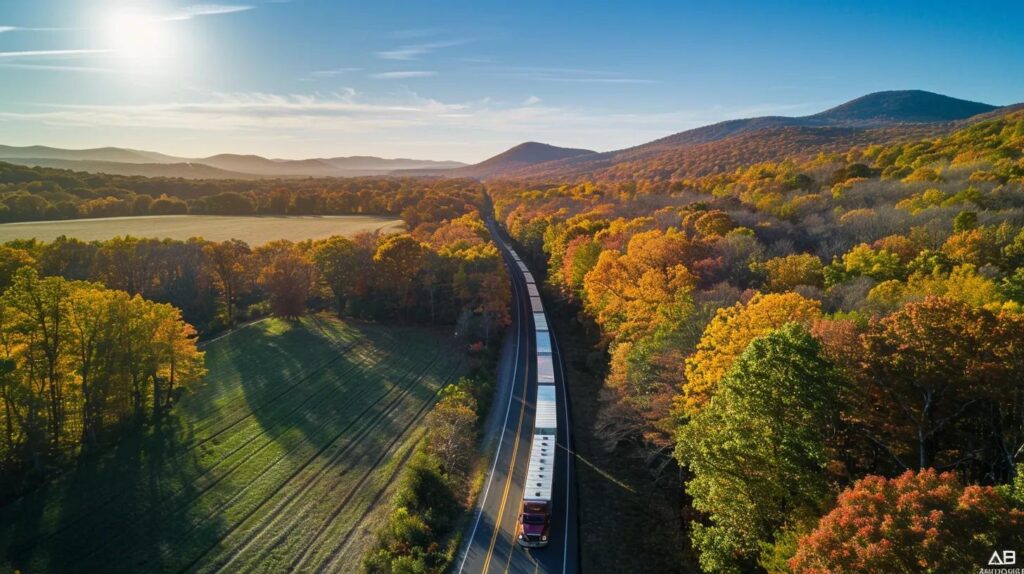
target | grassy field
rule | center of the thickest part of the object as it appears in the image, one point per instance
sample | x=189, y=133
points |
x=284, y=460
x=252, y=230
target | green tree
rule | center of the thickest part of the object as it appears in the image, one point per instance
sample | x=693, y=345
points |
x=965, y=221
x=758, y=450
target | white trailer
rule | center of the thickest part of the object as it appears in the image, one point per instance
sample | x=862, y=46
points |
x=534, y=526
x=523, y=267
x=536, y=305
x=543, y=343
x=540, y=322
x=532, y=289
x=545, y=370
x=529, y=278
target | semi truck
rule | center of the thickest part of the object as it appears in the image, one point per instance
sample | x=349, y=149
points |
x=535, y=513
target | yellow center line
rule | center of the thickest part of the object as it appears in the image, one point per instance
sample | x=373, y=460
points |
x=508, y=484
x=529, y=556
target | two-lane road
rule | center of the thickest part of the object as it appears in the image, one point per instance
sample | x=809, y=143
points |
x=489, y=545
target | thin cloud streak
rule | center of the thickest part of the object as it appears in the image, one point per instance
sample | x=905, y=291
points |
x=50, y=53
x=334, y=72
x=415, y=51
x=56, y=68
x=403, y=75
x=198, y=10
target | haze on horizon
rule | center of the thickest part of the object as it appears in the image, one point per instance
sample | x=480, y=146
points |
x=316, y=78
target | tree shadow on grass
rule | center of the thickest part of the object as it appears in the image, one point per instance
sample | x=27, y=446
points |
x=167, y=495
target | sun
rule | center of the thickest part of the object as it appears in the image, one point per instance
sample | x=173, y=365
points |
x=138, y=37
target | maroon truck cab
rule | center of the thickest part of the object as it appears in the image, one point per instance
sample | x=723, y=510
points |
x=534, y=523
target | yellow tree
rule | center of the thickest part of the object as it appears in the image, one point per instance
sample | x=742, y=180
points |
x=397, y=262
x=729, y=333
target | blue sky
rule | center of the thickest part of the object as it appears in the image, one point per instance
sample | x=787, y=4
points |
x=466, y=79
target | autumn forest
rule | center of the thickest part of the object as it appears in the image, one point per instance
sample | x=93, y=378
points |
x=809, y=355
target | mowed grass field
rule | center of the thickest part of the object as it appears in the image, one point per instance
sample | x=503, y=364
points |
x=285, y=460
x=252, y=230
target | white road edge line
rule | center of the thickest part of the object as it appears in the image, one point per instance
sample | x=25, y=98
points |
x=568, y=453
x=501, y=438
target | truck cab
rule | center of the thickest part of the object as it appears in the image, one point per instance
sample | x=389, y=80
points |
x=534, y=523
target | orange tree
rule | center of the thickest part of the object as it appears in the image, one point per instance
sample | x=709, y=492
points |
x=917, y=522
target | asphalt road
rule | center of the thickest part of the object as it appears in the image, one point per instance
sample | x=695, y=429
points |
x=489, y=544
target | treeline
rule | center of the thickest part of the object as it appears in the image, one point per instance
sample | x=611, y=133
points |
x=815, y=342
x=77, y=361
x=446, y=273
x=98, y=334
x=35, y=193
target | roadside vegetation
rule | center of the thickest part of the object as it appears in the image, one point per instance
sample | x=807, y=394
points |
x=421, y=533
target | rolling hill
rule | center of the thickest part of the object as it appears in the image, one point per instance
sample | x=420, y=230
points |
x=123, y=161
x=105, y=154
x=875, y=118
x=184, y=169
x=521, y=156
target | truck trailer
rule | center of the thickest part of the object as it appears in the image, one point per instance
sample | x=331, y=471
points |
x=534, y=529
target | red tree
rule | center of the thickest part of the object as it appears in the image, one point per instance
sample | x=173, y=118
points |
x=917, y=522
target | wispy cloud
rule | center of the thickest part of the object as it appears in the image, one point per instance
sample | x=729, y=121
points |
x=49, y=53
x=6, y=29
x=334, y=72
x=402, y=75
x=415, y=51
x=198, y=10
x=351, y=112
x=59, y=68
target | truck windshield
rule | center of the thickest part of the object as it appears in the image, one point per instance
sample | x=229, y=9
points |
x=533, y=519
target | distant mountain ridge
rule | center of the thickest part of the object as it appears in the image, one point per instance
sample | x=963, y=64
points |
x=908, y=106
x=880, y=117
x=875, y=118
x=123, y=161
x=521, y=156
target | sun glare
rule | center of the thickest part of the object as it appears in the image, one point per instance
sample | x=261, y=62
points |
x=139, y=38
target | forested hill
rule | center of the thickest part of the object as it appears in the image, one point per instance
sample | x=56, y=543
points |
x=882, y=117
x=519, y=157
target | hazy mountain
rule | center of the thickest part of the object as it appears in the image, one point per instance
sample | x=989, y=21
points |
x=123, y=161
x=187, y=170
x=110, y=154
x=369, y=163
x=519, y=157
x=875, y=118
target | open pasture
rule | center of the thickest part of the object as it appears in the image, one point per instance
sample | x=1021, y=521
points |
x=284, y=460
x=252, y=230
